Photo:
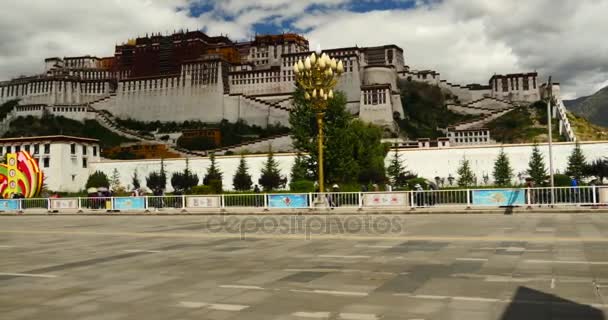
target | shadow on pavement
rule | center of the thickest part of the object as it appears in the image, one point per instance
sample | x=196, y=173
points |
x=532, y=304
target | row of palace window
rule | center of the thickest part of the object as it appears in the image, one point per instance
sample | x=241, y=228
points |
x=76, y=63
x=514, y=83
x=275, y=78
x=151, y=84
x=472, y=140
x=263, y=52
x=374, y=96
x=35, y=149
x=91, y=74
x=45, y=87
x=472, y=134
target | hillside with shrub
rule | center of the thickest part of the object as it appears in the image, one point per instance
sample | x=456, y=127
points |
x=49, y=125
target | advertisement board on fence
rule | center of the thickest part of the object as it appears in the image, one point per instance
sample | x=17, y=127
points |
x=203, y=202
x=9, y=205
x=385, y=200
x=499, y=198
x=64, y=204
x=132, y=203
x=288, y=201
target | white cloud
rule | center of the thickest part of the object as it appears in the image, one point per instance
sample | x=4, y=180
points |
x=465, y=40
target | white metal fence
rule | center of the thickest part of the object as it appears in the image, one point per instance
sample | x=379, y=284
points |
x=452, y=198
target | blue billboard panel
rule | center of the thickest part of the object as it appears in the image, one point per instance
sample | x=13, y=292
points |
x=288, y=201
x=9, y=205
x=499, y=197
x=131, y=203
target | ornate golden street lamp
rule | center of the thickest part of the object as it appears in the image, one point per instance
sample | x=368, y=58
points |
x=318, y=76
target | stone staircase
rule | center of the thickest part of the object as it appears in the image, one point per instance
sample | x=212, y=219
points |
x=276, y=104
x=109, y=121
x=483, y=106
x=483, y=121
x=254, y=144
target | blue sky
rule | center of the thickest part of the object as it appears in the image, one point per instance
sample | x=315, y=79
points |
x=467, y=41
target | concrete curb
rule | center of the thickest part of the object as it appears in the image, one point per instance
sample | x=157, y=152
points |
x=312, y=212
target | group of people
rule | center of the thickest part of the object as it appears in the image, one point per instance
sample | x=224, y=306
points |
x=16, y=195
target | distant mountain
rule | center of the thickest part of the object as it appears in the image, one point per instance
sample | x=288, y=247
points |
x=594, y=108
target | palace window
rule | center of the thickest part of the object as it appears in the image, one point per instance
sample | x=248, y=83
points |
x=73, y=148
x=46, y=162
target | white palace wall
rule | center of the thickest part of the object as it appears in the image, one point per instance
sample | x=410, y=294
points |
x=427, y=163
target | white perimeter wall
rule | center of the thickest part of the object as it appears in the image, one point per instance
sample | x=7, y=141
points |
x=427, y=163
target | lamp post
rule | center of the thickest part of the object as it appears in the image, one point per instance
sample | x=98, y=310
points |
x=550, y=129
x=317, y=76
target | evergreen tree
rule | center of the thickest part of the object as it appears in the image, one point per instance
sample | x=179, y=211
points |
x=97, y=180
x=466, y=178
x=157, y=181
x=213, y=178
x=503, y=173
x=271, y=178
x=599, y=169
x=184, y=181
x=396, y=171
x=576, y=163
x=242, y=179
x=115, y=180
x=135, y=180
x=299, y=170
x=536, y=167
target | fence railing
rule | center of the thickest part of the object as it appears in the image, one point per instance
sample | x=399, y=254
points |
x=453, y=198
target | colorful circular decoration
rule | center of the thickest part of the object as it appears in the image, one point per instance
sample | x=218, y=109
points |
x=21, y=175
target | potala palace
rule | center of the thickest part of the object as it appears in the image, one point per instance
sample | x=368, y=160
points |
x=192, y=76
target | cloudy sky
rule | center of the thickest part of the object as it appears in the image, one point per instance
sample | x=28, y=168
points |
x=466, y=40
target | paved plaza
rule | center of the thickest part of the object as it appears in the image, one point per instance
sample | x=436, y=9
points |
x=523, y=266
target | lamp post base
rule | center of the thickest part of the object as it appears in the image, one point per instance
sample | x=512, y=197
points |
x=320, y=201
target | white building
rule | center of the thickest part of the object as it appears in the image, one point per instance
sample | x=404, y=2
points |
x=469, y=136
x=65, y=161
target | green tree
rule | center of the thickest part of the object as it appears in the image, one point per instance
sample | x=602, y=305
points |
x=184, y=181
x=157, y=181
x=242, y=179
x=396, y=171
x=213, y=178
x=369, y=152
x=576, y=163
x=97, y=180
x=503, y=173
x=536, y=167
x=299, y=170
x=352, y=148
x=599, y=169
x=271, y=178
x=115, y=180
x=466, y=178
x=135, y=180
